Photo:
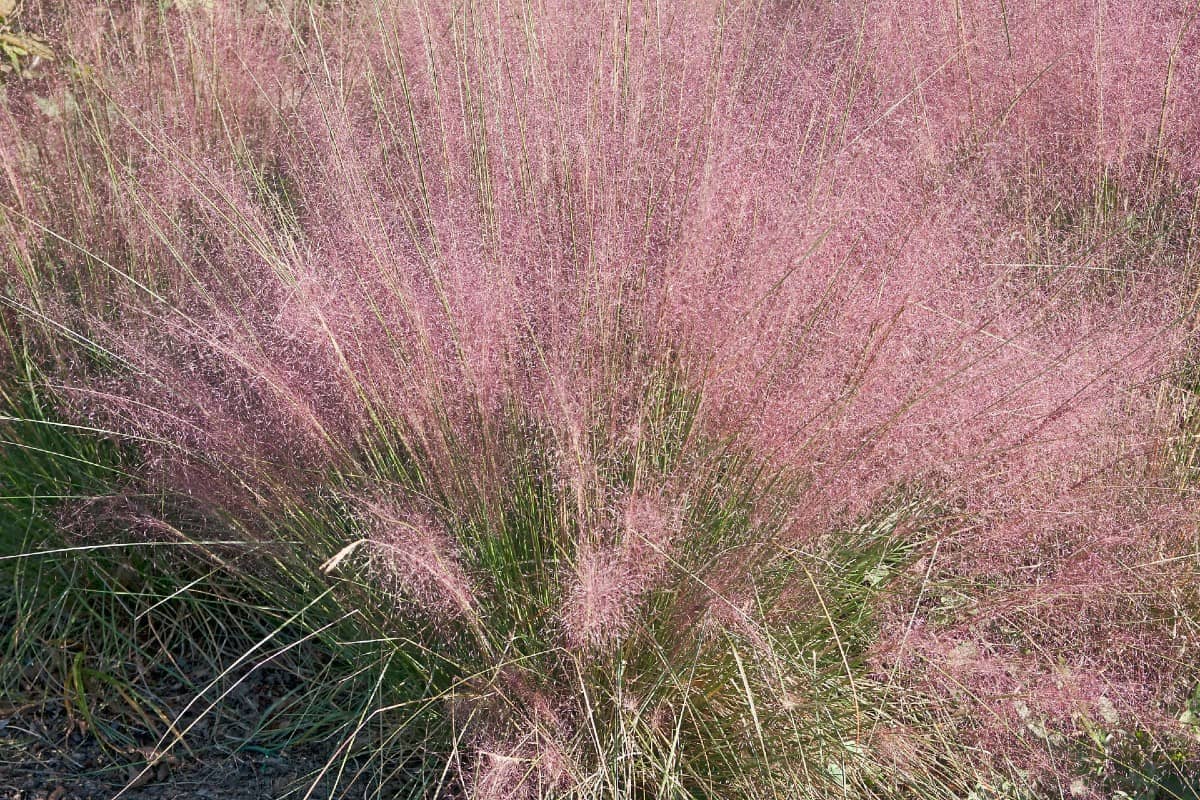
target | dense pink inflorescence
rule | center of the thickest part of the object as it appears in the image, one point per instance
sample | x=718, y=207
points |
x=420, y=562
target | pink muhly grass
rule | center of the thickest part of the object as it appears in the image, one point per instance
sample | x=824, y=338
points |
x=531, y=770
x=610, y=579
x=649, y=525
x=367, y=238
x=419, y=563
x=598, y=608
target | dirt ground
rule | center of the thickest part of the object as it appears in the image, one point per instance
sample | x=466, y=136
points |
x=35, y=764
x=46, y=755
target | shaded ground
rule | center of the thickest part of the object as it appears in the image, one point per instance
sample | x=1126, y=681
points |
x=39, y=762
x=49, y=753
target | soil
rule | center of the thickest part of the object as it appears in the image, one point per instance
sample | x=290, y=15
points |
x=38, y=764
x=49, y=753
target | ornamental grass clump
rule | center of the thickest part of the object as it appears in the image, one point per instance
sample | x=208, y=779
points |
x=721, y=400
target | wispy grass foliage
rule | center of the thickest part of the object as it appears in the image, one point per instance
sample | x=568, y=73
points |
x=711, y=400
